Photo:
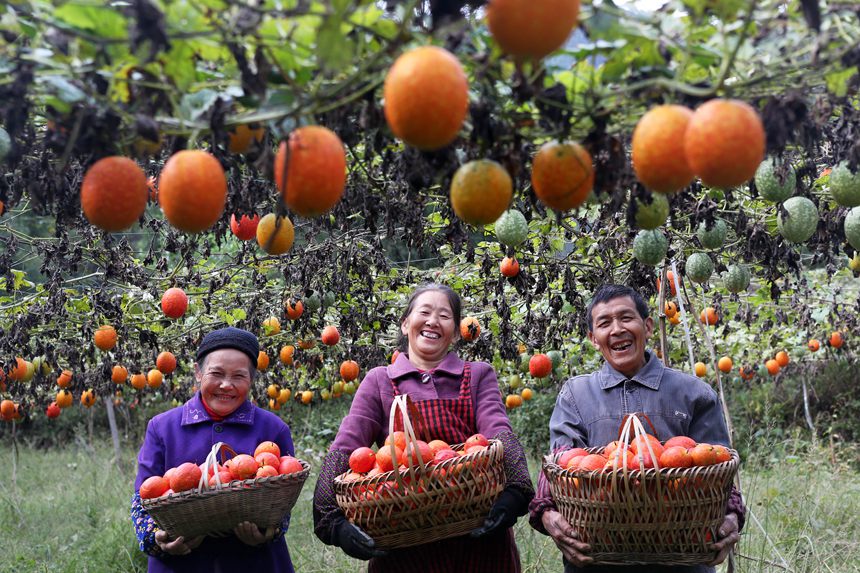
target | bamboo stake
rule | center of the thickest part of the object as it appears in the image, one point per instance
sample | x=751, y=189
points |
x=114, y=434
x=807, y=414
x=661, y=314
x=684, y=318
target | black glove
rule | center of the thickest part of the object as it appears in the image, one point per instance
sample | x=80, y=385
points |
x=354, y=542
x=511, y=504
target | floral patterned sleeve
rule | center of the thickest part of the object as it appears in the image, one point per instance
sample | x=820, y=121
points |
x=144, y=527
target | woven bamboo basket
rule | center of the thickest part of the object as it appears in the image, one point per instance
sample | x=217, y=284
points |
x=217, y=511
x=423, y=503
x=667, y=516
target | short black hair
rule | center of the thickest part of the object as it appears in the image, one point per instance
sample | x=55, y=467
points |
x=453, y=299
x=609, y=292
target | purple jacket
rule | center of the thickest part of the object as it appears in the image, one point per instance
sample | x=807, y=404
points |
x=187, y=434
x=367, y=421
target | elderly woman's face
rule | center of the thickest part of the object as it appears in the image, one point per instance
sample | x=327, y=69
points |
x=225, y=379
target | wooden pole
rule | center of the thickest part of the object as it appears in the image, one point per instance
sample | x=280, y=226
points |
x=114, y=434
x=683, y=312
x=661, y=314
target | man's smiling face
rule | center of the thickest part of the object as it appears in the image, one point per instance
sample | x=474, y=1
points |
x=620, y=334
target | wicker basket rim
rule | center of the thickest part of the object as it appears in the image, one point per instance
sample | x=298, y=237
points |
x=234, y=485
x=550, y=464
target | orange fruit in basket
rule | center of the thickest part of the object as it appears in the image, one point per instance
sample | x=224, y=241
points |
x=437, y=446
x=270, y=447
x=639, y=443
x=225, y=477
x=266, y=471
x=722, y=454
x=383, y=457
x=617, y=463
x=610, y=448
x=362, y=460
x=423, y=450
x=704, y=455
x=569, y=455
x=676, y=457
x=475, y=440
x=153, y=486
x=443, y=455
x=244, y=466
x=268, y=459
x=289, y=465
x=185, y=477
x=573, y=463
x=399, y=439
x=592, y=462
x=683, y=441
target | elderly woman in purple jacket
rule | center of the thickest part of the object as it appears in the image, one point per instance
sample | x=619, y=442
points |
x=219, y=412
x=456, y=399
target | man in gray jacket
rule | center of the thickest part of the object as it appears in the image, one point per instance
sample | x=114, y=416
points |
x=591, y=407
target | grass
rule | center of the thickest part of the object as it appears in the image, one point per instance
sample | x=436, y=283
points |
x=68, y=511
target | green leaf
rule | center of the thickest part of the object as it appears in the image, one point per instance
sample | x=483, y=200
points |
x=179, y=64
x=193, y=106
x=65, y=90
x=239, y=314
x=334, y=48
x=837, y=82
x=101, y=21
x=20, y=279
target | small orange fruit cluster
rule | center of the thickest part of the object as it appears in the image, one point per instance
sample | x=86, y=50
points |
x=364, y=462
x=676, y=452
x=267, y=461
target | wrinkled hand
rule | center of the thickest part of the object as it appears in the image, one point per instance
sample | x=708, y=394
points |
x=178, y=546
x=510, y=504
x=249, y=534
x=566, y=538
x=728, y=535
x=355, y=542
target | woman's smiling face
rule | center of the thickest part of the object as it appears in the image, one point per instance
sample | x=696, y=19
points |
x=225, y=379
x=429, y=327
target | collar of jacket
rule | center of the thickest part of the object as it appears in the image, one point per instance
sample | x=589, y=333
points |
x=451, y=364
x=193, y=412
x=648, y=376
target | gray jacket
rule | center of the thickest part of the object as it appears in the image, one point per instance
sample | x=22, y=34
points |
x=590, y=409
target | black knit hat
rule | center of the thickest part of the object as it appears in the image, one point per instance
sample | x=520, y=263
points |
x=230, y=337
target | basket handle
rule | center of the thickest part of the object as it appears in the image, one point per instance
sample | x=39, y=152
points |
x=212, y=463
x=642, y=414
x=632, y=421
x=402, y=404
x=415, y=418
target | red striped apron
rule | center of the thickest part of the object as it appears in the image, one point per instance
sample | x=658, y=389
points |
x=452, y=420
